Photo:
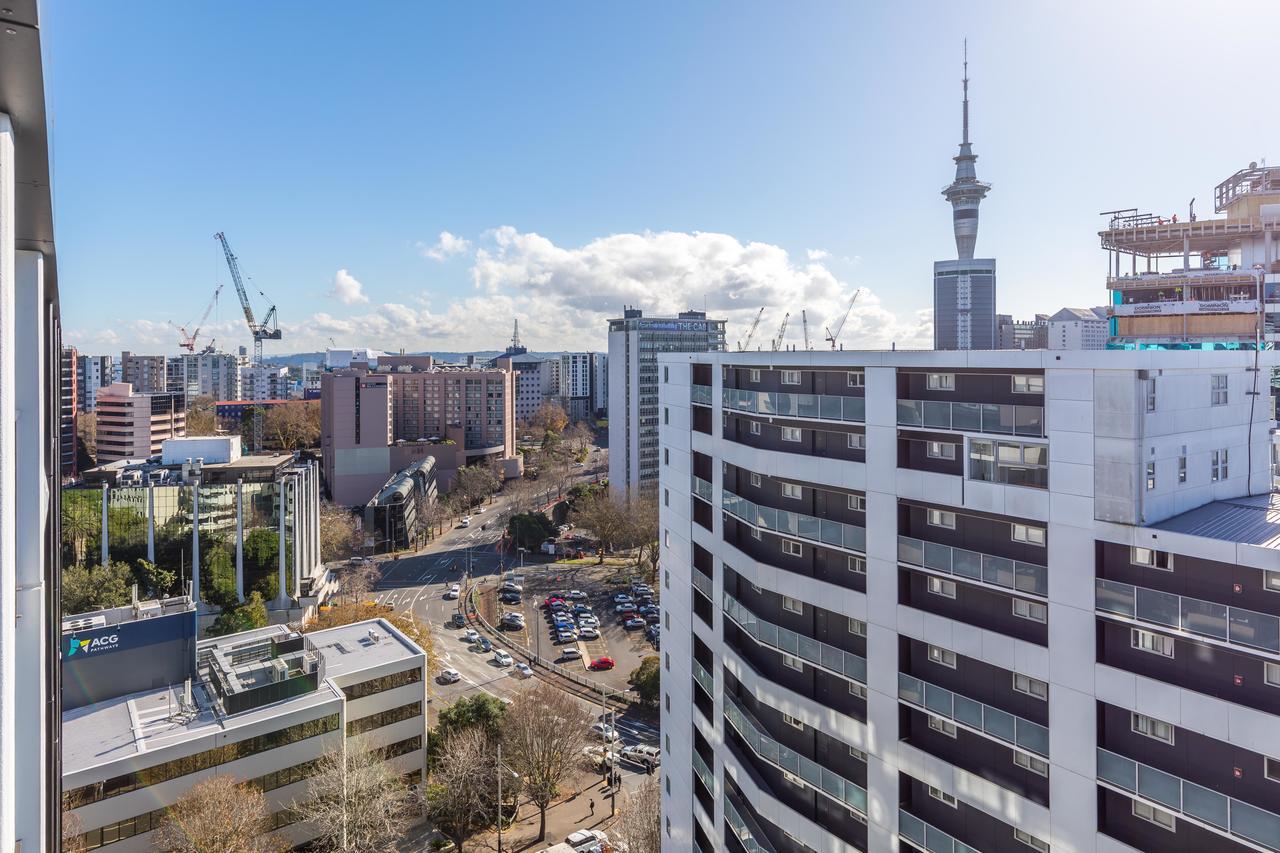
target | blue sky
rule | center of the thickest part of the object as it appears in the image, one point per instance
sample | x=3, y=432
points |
x=584, y=155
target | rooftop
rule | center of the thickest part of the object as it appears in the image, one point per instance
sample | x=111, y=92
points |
x=1253, y=520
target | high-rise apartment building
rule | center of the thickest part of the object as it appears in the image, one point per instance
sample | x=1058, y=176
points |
x=68, y=399
x=208, y=374
x=1078, y=328
x=262, y=382
x=92, y=372
x=634, y=344
x=579, y=389
x=148, y=374
x=1022, y=334
x=134, y=425
x=537, y=380
x=984, y=601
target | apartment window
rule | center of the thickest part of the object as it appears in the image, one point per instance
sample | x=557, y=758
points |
x=792, y=605
x=755, y=480
x=857, y=441
x=940, y=450
x=792, y=549
x=755, y=375
x=668, y=661
x=942, y=518
x=1271, y=674
x=666, y=578
x=942, y=796
x=942, y=656
x=1028, y=534
x=793, y=779
x=666, y=497
x=857, y=503
x=666, y=538
x=1271, y=768
x=1030, y=762
x=756, y=534
x=793, y=722
x=1149, y=641
x=1033, y=610
x=1030, y=686
x=942, y=586
x=791, y=490
x=666, y=456
x=1271, y=581
x=857, y=626
x=938, y=724
x=856, y=378
x=942, y=382
x=1182, y=465
x=857, y=690
x=1151, y=476
x=858, y=565
x=854, y=752
x=666, y=374
x=666, y=415
x=790, y=377
x=666, y=740
x=755, y=427
x=791, y=433
x=1160, y=817
x=1028, y=384
x=1151, y=558
x=1218, y=390
x=1031, y=841
x=1218, y=465
x=1009, y=462
x=792, y=662
x=1151, y=395
x=1151, y=727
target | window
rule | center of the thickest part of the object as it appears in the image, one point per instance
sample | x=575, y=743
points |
x=383, y=683
x=942, y=518
x=1031, y=841
x=858, y=690
x=1151, y=727
x=1028, y=533
x=666, y=578
x=755, y=375
x=793, y=779
x=1033, y=610
x=939, y=655
x=792, y=548
x=755, y=480
x=1151, y=559
x=1151, y=476
x=666, y=741
x=792, y=721
x=1271, y=769
x=790, y=377
x=1182, y=465
x=666, y=456
x=791, y=490
x=1151, y=395
x=1030, y=762
x=792, y=605
x=791, y=433
x=857, y=626
x=942, y=796
x=856, y=378
x=1218, y=390
x=857, y=503
x=666, y=497
x=858, y=565
x=940, y=450
x=666, y=374
x=1271, y=674
x=666, y=538
x=1159, y=817
x=938, y=724
x=792, y=662
x=1030, y=686
x=854, y=752
x=857, y=441
x=755, y=533
x=1148, y=641
x=1010, y=462
x=1028, y=384
x=1271, y=581
x=755, y=427
x=666, y=415
x=668, y=661
x=1218, y=465
x=942, y=382
x=943, y=587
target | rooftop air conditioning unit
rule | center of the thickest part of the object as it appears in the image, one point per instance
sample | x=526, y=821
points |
x=374, y=636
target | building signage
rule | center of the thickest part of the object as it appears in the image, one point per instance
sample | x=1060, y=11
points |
x=1221, y=306
x=103, y=643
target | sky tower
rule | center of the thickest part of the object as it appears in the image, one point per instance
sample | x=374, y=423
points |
x=966, y=192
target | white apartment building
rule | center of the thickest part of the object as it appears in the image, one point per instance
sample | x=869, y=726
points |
x=263, y=382
x=969, y=601
x=92, y=372
x=1078, y=328
x=582, y=386
x=537, y=380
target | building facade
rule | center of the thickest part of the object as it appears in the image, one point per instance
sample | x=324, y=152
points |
x=634, y=344
x=133, y=424
x=980, y=601
x=92, y=372
x=263, y=382
x=68, y=411
x=1079, y=328
x=208, y=374
x=582, y=384
x=148, y=374
x=1022, y=334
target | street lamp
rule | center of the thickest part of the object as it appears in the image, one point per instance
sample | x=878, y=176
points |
x=500, y=768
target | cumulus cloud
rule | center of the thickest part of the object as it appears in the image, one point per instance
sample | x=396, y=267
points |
x=818, y=254
x=446, y=247
x=347, y=289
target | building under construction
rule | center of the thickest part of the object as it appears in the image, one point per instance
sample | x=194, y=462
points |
x=1218, y=287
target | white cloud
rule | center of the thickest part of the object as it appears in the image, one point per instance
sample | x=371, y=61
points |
x=446, y=247
x=818, y=254
x=347, y=289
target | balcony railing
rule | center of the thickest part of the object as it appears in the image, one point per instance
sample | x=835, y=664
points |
x=1000, y=725
x=701, y=487
x=821, y=531
x=1205, y=618
x=833, y=660
x=700, y=394
x=822, y=780
x=1187, y=798
x=819, y=407
x=997, y=418
x=703, y=584
x=704, y=678
x=704, y=772
x=927, y=837
x=745, y=829
x=998, y=571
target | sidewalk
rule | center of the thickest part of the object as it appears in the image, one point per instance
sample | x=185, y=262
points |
x=571, y=813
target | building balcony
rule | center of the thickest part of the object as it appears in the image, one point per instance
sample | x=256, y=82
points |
x=700, y=394
x=817, y=407
x=993, y=418
x=820, y=531
x=703, y=584
x=704, y=679
x=972, y=565
x=976, y=716
x=745, y=829
x=1232, y=625
x=704, y=772
x=815, y=652
x=1207, y=808
x=927, y=837
x=701, y=488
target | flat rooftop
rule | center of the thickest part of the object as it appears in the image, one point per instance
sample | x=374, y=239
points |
x=1253, y=520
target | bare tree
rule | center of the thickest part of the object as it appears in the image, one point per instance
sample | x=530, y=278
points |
x=339, y=536
x=357, y=802
x=606, y=518
x=294, y=425
x=543, y=734
x=639, y=825
x=219, y=815
x=642, y=513
x=73, y=840
x=201, y=416
x=462, y=796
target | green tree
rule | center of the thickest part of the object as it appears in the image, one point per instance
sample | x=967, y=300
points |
x=232, y=620
x=152, y=580
x=646, y=679
x=218, y=578
x=81, y=525
x=530, y=529
x=479, y=711
x=88, y=588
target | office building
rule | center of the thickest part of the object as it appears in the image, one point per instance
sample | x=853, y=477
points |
x=148, y=374
x=634, y=344
x=1022, y=334
x=263, y=382
x=1078, y=328
x=151, y=712
x=68, y=398
x=133, y=425
x=968, y=601
x=393, y=518
x=964, y=290
x=582, y=387
x=92, y=372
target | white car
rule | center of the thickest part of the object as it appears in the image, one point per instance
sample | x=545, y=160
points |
x=510, y=586
x=585, y=839
x=605, y=731
x=453, y=592
x=570, y=654
x=501, y=658
x=621, y=598
x=576, y=595
x=587, y=632
x=466, y=521
x=471, y=636
x=588, y=621
x=449, y=676
x=479, y=509
x=524, y=670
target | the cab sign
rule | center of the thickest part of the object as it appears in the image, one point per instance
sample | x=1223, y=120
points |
x=97, y=644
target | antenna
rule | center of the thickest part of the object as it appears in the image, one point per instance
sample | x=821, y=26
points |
x=966, y=91
x=515, y=335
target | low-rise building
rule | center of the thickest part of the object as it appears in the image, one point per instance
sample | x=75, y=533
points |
x=133, y=425
x=1078, y=328
x=393, y=517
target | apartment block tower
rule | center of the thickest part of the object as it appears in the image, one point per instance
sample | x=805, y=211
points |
x=582, y=387
x=135, y=425
x=148, y=374
x=634, y=344
x=1010, y=601
x=92, y=372
x=68, y=411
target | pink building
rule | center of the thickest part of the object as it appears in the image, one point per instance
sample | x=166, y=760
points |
x=133, y=425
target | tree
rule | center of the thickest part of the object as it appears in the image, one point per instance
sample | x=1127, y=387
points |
x=357, y=802
x=86, y=441
x=462, y=795
x=646, y=679
x=339, y=533
x=81, y=523
x=479, y=710
x=245, y=617
x=549, y=418
x=73, y=840
x=474, y=483
x=219, y=815
x=543, y=734
x=530, y=529
x=156, y=582
x=292, y=426
x=579, y=437
x=202, y=416
x=643, y=534
x=88, y=588
x=604, y=517
x=639, y=825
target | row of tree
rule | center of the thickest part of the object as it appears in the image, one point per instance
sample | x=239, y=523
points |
x=286, y=426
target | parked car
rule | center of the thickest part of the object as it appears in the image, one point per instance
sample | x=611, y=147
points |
x=621, y=598
x=642, y=754
x=523, y=670
x=471, y=635
x=449, y=676
x=588, y=622
x=510, y=598
x=558, y=605
x=511, y=586
x=641, y=589
x=625, y=607
x=480, y=509
x=484, y=644
x=588, y=633
x=513, y=620
x=646, y=609
x=652, y=632
x=549, y=600
x=465, y=522
x=577, y=595
x=581, y=608
x=604, y=731
x=564, y=637
x=602, y=663
x=653, y=618
x=570, y=654
x=583, y=839
x=501, y=658
x=633, y=624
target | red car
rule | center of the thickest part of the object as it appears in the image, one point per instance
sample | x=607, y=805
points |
x=601, y=663
x=548, y=602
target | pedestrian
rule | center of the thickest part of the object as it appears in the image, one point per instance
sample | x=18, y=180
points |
x=592, y=804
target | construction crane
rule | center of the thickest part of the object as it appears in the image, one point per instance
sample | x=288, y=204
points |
x=752, y=331
x=782, y=331
x=833, y=336
x=267, y=330
x=188, y=339
x=804, y=323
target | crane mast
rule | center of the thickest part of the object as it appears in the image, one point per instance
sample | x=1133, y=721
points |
x=782, y=331
x=804, y=322
x=267, y=330
x=752, y=331
x=832, y=336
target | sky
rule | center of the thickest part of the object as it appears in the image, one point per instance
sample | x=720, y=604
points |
x=414, y=175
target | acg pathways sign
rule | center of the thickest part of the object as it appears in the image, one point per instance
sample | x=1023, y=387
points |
x=104, y=643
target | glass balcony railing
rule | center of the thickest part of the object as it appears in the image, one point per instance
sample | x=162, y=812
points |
x=704, y=678
x=700, y=394
x=820, y=531
x=833, y=660
x=998, y=418
x=1187, y=798
x=927, y=837
x=1000, y=725
x=819, y=407
x=999, y=571
x=745, y=829
x=1206, y=618
x=704, y=772
x=819, y=778
x=703, y=584
x=701, y=487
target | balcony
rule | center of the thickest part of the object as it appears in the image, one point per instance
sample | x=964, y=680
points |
x=994, y=418
x=817, y=407
x=814, y=775
x=704, y=772
x=1233, y=625
x=701, y=488
x=745, y=829
x=829, y=658
x=984, y=568
x=704, y=679
x=1001, y=725
x=700, y=394
x=1207, y=807
x=927, y=837
x=820, y=531
x=703, y=584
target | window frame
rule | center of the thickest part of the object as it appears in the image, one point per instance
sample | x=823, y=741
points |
x=1029, y=537
x=1270, y=580
x=1146, y=725
x=790, y=377
x=943, y=587
x=857, y=627
x=753, y=374
x=792, y=491
x=1268, y=668
x=1031, y=763
x=794, y=722
x=943, y=797
x=755, y=480
x=857, y=565
x=861, y=378
x=792, y=548
x=857, y=503
x=754, y=429
x=941, y=656
x=1161, y=560
x=1032, y=608
x=1028, y=381
x=940, y=381
x=1030, y=840
x=942, y=725
x=796, y=431
x=1153, y=816
x=935, y=517
x=856, y=440
x=793, y=605
x=940, y=450
x=792, y=662
x=1138, y=635
x=1220, y=464
x=1030, y=688
x=1219, y=389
